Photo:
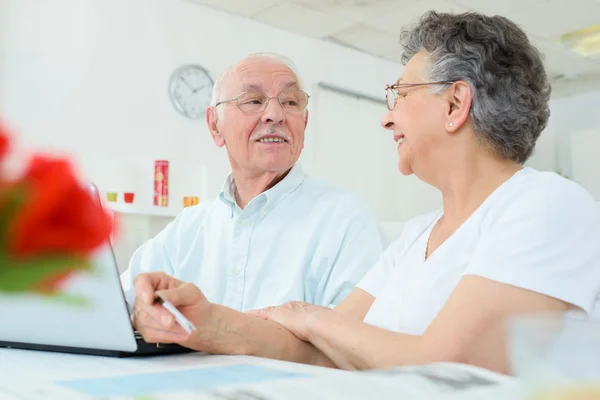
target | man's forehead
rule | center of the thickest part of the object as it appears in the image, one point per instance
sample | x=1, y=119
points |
x=250, y=86
x=257, y=74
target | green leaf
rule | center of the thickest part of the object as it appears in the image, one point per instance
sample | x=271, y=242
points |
x=11, y=200
x=23, y=276
x=70, y=299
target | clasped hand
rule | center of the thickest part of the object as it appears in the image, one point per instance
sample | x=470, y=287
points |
x=297, y=317
x=157, y=325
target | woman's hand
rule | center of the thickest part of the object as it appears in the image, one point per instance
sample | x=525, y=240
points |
x=296, y=316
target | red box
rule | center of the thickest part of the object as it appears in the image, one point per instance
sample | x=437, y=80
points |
x=161, y=183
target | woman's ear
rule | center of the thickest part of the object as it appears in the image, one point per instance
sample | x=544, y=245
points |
x=212, y=122
x=459, y=98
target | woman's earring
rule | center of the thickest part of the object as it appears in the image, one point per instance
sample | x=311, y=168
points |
x=451, y=124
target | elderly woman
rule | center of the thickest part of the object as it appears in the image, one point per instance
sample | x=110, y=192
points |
x=466, y=113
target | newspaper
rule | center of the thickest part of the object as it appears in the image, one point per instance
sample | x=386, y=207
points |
x=227, y=378
x=433, y=381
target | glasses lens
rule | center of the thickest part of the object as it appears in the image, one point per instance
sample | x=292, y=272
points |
x=293, y=101
x=390, y=98
x=252, y=102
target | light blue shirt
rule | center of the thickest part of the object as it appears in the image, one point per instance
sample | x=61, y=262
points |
x=300, y=240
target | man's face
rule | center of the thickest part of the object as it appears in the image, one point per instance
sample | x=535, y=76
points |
x=261, y=141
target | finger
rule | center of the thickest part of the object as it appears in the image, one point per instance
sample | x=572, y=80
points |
x=263, y=313
x=296, y=305
x=185, y=295
x=150, y=282
x=154, y=335
x=156, y=312
x=283, y=316
x=144, y=322
x=141, y=317
x=146, y=284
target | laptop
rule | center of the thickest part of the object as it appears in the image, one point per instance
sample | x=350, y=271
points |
x=92, y=316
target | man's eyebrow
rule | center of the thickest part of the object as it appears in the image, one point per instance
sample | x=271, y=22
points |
x=251, y=87
x=290, y=84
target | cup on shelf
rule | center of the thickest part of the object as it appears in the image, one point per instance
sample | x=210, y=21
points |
x=128, y=197
x=111, y=196
x=190, y=201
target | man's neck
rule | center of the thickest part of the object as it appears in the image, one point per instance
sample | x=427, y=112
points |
x=249, y=184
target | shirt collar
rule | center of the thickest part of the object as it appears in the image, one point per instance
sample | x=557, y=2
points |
x=271, y=197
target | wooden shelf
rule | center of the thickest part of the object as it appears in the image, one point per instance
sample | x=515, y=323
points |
x=124, y=208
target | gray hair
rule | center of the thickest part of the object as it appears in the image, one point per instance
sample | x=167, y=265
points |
x=217, y=87
x=504, y=70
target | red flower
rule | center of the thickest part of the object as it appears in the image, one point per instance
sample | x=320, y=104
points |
x=58, y=215
x=4, y=142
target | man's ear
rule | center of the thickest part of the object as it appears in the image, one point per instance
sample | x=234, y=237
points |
x=212, y=123
x=459, y=98
x=305, y=118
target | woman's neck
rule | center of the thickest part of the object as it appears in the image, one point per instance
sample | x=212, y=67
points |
x=465, y=186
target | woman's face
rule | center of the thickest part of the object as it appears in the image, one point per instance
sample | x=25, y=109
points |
x=418, y=120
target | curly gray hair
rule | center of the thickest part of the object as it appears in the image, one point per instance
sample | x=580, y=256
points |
x=504, y=70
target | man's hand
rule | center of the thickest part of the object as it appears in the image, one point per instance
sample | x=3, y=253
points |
x=157, y=325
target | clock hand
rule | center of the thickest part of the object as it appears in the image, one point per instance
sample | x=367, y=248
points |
x=187, y=84
x=201, y=87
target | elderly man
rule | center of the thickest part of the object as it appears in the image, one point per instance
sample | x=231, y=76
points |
x=273, y=234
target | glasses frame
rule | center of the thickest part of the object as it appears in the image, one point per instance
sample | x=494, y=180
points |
x=394, y=89
x=266, y=102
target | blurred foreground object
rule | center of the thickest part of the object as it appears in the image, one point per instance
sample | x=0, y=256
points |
x=557, y=357
x=49, y=225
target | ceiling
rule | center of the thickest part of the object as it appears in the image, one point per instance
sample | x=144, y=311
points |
x=372, y=26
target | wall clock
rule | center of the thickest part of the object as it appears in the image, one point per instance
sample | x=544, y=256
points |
x=190, y=90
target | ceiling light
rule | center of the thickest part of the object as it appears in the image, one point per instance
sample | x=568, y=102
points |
x=585, y=42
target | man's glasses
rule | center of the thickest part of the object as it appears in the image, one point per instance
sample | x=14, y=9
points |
x=254, y=102
x=392, y=92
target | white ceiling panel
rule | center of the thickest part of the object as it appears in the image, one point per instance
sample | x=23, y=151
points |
x=355, y=10
x=559, y=60
x=569, y=87
x=373, y=26
x=393, y=20
x=244, y=8
x=551, y=19
x=498, y=7
x=369, y=40
x=297, y=18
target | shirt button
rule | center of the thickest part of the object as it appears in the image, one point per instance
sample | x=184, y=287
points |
x=244, y=222
x=263, y=213
x=237, y=271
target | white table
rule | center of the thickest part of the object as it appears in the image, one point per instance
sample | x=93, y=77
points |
x=28, y=375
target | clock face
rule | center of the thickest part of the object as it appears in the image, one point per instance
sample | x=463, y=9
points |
x=191, y=90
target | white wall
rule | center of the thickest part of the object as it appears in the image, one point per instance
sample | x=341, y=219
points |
x=585, y=164
x=89, y=77
x=570, y=115
x=357, y=153
x=575, y=122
